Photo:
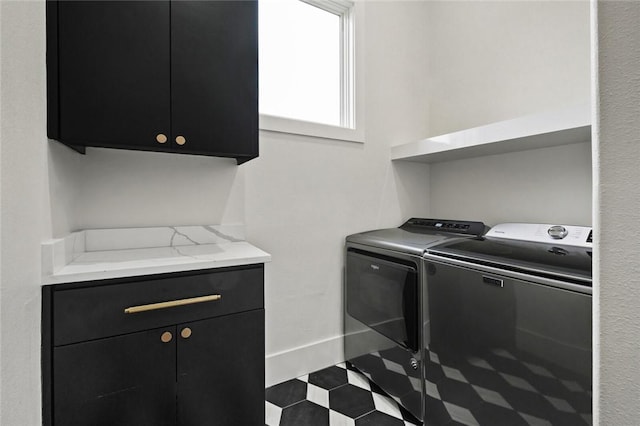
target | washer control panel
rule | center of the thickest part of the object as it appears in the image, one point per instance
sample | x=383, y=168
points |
x=581, y=236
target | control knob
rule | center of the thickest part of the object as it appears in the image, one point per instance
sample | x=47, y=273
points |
x=557, y=232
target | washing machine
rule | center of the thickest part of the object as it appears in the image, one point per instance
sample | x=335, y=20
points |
x=507, y=329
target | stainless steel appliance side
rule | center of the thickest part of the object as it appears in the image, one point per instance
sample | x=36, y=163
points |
x=500, y=343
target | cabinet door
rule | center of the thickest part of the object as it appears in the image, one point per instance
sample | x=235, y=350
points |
x=214, y=77
x=113, y=68
x=128, y=380
x=221, y=371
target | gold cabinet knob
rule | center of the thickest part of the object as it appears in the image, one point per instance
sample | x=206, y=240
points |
x=166, y=337
x=161, y=138
x=185, y=333
x=180, y=140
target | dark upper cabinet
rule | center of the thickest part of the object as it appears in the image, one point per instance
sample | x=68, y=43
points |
x=214, y=76
x=170, y=76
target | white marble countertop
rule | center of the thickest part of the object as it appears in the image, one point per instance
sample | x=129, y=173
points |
x=101, y=254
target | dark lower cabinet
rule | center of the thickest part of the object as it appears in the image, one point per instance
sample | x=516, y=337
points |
x=126, y=380
x=221, y=371
x=202, y=365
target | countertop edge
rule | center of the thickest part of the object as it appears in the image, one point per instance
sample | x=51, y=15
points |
x=153, y=270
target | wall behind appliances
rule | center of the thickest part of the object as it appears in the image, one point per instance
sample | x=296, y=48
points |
x=305, y=195
x=496, y=60
x=549, y=185
x=492, y=61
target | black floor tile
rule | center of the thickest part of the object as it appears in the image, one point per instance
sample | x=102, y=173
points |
x=377, y=418
x=351, y=401
x=329, y=378
x=305, y=413
x=287, y=393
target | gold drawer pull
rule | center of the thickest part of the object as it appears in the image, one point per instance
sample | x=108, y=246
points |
x=171, y=304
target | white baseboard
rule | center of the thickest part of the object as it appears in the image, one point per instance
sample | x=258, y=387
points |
x=296, y=362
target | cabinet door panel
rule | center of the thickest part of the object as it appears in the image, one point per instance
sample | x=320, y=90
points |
x=221, y=371
x=214, y=78
x=114, y=72
x=128, y=380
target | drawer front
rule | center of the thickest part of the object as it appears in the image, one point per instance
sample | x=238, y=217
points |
x=81, y=314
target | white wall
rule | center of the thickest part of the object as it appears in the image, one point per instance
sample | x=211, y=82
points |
x=298, y=199
x=117, y=188
x=496, y=60
x=491, y=61
x=24, y=220
x=617, y=212
x=305, y=195
x=549, y=185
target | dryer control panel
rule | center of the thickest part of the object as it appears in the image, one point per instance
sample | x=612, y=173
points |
x=456, y=226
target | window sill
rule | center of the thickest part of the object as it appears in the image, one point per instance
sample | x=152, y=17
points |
x=298, y=127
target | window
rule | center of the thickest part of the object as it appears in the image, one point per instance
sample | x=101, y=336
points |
x=307, y=64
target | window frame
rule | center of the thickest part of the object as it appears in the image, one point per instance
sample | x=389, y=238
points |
x=351, y=126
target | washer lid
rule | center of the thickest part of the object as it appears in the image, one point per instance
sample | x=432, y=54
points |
x=561, y=262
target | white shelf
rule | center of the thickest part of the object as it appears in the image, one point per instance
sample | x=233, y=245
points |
x=552, y=128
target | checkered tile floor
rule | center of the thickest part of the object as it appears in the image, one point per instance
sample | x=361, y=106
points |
x=336, y=396
x=497, y=387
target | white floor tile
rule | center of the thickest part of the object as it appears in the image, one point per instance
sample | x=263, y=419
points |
x=318, y=395
x=386, y=405
x=337, y=419
x=272, y=414
x=358, y=380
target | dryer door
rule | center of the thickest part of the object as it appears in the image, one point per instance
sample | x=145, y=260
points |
x=382, y=293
